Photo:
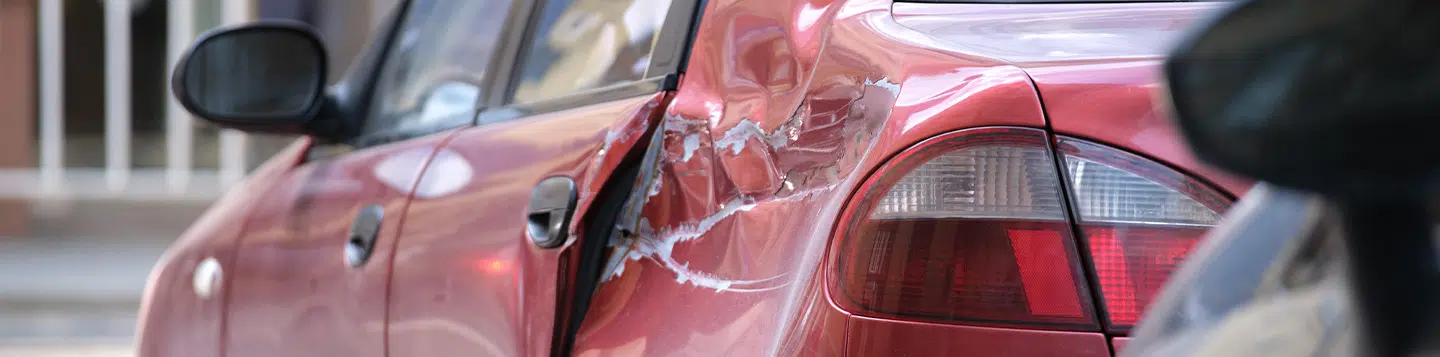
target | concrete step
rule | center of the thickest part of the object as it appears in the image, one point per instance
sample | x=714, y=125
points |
x=105, y=269
x=50, y=321
x=73, y=289
x=67, y=349
x=114, y=217
x=82, y=205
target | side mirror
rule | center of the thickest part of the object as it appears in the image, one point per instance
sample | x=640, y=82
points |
x=1337, y=97
x=266, y=76
x=1332, y=96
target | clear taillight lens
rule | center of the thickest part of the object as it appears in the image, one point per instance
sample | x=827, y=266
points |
x=968, y=226
x=1139, y=219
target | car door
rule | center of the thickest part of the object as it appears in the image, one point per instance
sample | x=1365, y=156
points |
x=502, y=243
x=312, y=270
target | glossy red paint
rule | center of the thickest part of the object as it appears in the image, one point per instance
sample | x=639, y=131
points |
x=877, y=337
x=1097, y=66
x=757, y=163
x=466, y=275
x=291, y=291
x=785, y=108
x=776, y=122
x=1129, y=119
x=173, y=321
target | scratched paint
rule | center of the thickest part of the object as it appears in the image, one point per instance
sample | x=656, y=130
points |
x=618, y=141
x=655, y=188
x=735, y=138
x=775, y=122
x=884, y=82
x=692, y=143
x=658, y=244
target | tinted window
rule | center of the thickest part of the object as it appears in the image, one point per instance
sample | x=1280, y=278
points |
x=434, y=74
x=583, y=44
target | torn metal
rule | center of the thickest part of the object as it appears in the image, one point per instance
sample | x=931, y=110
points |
x=814, y=148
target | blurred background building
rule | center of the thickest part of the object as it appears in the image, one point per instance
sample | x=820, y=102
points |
x=100, y=169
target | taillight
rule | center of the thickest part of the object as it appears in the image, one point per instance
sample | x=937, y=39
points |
x=971, y=226
x=1139, y=219
x=968, y=226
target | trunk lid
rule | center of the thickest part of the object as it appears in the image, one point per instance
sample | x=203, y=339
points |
x=1096, y=65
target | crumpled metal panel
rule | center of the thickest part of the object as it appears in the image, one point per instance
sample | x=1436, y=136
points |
x=785, y=107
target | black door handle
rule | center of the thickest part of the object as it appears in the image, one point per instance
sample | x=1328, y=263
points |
x=551, y=205
x=360, y=241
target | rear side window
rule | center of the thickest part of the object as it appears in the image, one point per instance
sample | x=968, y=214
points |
x=437, y=65
x=578, y=45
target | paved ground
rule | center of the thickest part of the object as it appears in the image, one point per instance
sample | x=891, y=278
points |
x=71, y=287
x=67, y=350
x=57, y=291
x=77, y=269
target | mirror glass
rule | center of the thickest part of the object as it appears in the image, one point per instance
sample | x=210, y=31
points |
x=257, y=74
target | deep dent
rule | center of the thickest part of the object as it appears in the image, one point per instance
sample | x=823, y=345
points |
x=786, y=105
x=822, y=144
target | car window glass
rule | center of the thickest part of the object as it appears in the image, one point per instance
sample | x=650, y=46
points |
x=583, y=44
x=433, y=76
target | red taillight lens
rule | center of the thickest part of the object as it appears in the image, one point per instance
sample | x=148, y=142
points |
x=1140, y=219
x=968, y=226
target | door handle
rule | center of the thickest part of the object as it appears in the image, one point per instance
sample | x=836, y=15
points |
x=551, y=204
x=360, y=241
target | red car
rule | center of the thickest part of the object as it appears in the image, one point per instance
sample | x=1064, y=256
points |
x=692, y=178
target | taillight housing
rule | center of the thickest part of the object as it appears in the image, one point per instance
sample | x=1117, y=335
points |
x=968, y=226
x=975, y=226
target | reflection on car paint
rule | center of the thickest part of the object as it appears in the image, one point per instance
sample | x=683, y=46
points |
x=447, y=173
x=401, y=170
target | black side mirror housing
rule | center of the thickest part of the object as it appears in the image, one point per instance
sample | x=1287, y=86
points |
x=267, y=76
x=1332, y=96
x=1336, y=97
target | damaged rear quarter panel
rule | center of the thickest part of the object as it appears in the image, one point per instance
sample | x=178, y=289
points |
x=785, y=107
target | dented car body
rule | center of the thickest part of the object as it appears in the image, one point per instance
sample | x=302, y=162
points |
x=717, y=201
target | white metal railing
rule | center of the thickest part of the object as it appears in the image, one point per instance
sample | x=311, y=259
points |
x=117, y=94
x=52, y=108
x=178, y=122
x=179, y=178
x=232, y=143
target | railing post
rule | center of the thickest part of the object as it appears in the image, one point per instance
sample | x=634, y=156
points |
x=52, y=95
x=117, y=94
x=232, y=142
x=179, y=127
